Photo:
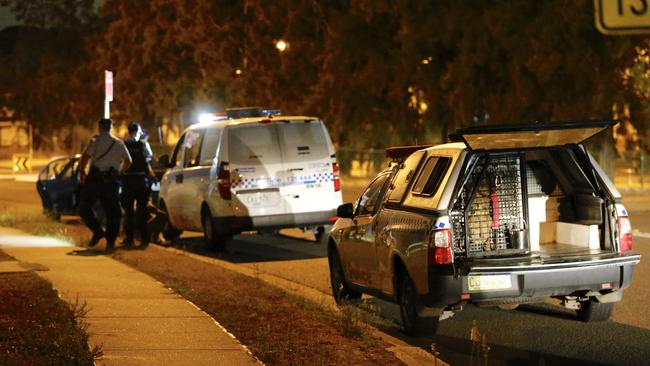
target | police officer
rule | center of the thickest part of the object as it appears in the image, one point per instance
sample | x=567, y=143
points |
x=108, y=158
x=136, y=186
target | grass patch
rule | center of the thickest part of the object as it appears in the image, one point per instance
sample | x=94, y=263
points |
x=38, y=328
x=279, y=328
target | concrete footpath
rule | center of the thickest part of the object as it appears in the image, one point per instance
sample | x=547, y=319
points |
x=132, y=317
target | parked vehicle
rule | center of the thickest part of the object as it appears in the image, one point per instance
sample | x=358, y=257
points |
x=58, y=186
x=511, y=215
x=250, y=169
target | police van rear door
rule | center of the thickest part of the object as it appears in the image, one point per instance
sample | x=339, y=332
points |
x=308, y=157
x=256, y=169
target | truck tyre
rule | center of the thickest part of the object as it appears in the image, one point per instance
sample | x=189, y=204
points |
x=169, y=232
x=341, y=292
x=215, y=236
x=594, y=311
x=413, y=324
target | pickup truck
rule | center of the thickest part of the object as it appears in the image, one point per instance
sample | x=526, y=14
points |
x=507, y=215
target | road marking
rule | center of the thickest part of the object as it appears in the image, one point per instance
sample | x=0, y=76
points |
x=641, y=234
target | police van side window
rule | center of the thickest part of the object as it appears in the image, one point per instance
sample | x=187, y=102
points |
x=192, y=147
x=431, y=176
x=209, y=146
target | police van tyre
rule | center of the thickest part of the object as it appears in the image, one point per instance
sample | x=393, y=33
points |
x=342, y=294
x=594, y=311
x=322, y=234
x=169, y=232
x=413, y=324
x=215, y=235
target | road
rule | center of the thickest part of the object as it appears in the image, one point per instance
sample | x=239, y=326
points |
x=533, y=334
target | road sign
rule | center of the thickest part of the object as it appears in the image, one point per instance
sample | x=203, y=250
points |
x=622, y=17
x=108, y=81
x=22, y=163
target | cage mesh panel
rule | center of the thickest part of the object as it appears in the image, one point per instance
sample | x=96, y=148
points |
x=535, y=187
x=485, y=232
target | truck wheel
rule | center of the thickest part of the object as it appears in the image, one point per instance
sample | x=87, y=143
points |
x=169, y=232
x=594, y=311
x=215, y=236
x=413, y=324
x=342, y=294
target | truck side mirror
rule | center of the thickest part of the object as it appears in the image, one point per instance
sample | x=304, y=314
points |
x=345, y=211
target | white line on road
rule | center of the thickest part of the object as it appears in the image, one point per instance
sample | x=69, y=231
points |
x=640, y=234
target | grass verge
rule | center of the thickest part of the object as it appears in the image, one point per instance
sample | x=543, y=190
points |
x=279, y=328
x=38, y=328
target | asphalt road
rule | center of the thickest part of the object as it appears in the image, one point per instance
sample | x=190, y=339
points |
x=543, y=334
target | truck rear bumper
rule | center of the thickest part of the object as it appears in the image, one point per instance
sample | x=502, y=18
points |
x=524, y=284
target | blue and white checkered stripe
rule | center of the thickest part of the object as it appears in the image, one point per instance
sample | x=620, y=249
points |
x=253, y=183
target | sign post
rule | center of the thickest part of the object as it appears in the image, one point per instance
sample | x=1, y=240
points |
x=622, y=17
x=108, y=93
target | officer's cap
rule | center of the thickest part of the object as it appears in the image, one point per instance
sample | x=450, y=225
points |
x=134, y=127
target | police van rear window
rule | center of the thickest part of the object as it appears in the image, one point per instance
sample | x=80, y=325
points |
x=303, y=141
x=253, y=144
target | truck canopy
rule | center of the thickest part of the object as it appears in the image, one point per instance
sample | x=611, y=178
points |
x=532, y=135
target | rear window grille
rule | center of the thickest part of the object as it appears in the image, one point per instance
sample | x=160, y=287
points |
x=541, y=181
x=495, y=212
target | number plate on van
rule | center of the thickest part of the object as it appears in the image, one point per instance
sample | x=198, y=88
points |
x=482, y=283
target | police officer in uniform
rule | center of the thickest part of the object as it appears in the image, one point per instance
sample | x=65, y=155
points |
x=108, y=159
x=136, y=187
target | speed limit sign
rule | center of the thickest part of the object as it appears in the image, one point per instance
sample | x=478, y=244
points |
x=622, y=17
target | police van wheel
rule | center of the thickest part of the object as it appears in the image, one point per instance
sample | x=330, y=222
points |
x=169, y=232
x=215, y=236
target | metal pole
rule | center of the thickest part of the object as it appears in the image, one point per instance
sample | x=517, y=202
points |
x=642, y=167
x=107, y=109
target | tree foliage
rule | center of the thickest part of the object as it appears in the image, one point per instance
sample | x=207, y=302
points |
x=379, y=72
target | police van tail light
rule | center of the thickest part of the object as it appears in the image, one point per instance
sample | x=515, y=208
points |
x=337, y=181
x=223, y=181
x=624, y=233
x=440, y=247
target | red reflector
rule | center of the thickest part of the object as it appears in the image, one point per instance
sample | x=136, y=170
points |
x=335, y=173
x=606, y=286
x=333, y=218
x=265, y=120
x=464, y=296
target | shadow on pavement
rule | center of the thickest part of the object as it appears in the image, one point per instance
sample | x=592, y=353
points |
x=256, y=248
x=86, y=252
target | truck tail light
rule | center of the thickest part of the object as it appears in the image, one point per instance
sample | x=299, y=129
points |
x=337, y=181
x=223, y=181
x=624, y=233
x=440, y=247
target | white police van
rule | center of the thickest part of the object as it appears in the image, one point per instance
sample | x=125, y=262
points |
x=251, y=169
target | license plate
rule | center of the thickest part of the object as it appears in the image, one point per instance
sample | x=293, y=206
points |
x=260, y=199
x=482, y=283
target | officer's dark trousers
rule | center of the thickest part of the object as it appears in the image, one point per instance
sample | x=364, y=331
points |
x=107, y=192
x=135, y=190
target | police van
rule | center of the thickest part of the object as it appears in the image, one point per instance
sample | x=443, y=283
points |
x=250, y=169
